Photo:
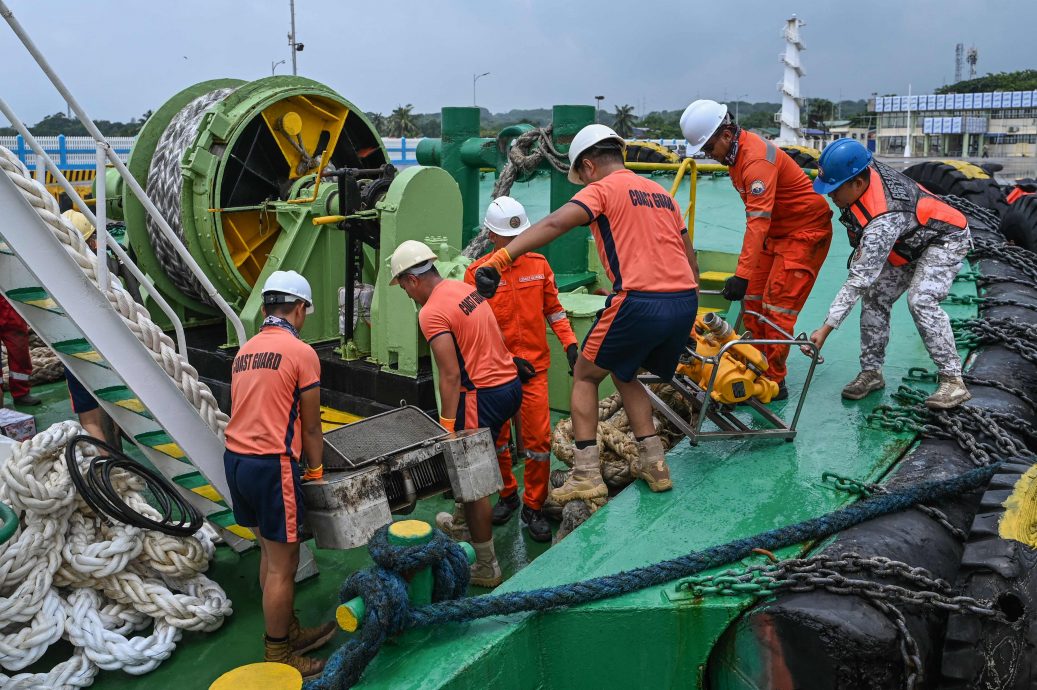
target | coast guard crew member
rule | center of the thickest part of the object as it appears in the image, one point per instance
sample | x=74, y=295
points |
x=527, y=297
x=645, y=249
x=788, y=227
x=904, y=239
x=274, y=423
x=478, y=382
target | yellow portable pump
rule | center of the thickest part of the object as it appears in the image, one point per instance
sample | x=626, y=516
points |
x=739, y=372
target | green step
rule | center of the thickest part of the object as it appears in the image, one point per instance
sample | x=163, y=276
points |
x=81, y=349
x=35, y=297
x=162, y=442
x=191, y=480
x=124, y=398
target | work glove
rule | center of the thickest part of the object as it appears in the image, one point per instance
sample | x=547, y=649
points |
x=525, y=369
x=447, y=423
x=571, y=354
x=487, y=276
x=312, y=474
x=734, y=288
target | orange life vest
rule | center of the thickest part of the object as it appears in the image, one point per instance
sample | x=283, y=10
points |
x=890, y=191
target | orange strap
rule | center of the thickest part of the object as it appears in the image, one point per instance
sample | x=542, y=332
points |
x=312, y=473
x=447, y=423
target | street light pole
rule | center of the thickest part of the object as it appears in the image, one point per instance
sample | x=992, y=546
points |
x=274, y=65
x=475, y=78
x=292, y=45
x=597, y=107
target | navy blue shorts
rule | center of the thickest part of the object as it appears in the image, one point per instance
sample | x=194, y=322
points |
x=267, y=494
x=82, y=401
x=641, y=330
x=489, y=407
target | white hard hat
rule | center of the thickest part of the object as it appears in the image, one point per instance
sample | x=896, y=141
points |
x=506, y=217
x=287, y=283
x=587, y=137
x=409, y=254
x=700, y=121
x=80, y=223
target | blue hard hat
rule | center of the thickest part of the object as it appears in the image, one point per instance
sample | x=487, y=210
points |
x=840, y=161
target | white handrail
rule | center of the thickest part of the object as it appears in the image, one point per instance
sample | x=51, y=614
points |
x=41, y=155
x=129, y=180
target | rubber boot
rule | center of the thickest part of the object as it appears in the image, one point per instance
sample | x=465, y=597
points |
x=584, y=481
x=866, y=382
x=303, y=640
x=281, y=653
x=486, y=570
x=455, y=525
x=951, y=393
x=650, y=464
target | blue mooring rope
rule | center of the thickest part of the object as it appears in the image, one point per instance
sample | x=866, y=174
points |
x=388, y=610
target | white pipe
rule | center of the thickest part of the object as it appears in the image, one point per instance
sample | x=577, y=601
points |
x=120, y=253
x=128, y=178
x=101, y=214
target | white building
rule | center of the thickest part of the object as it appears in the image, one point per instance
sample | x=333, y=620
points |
x=992, y=124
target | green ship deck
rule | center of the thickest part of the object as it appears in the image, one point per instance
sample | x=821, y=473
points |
x=723, y=490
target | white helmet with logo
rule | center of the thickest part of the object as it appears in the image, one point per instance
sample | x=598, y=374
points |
x=700, y=121
x=409, y=254
x=506, y=217
x=589, y=136
x=281, y=286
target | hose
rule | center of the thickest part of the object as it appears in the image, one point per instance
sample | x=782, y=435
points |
x=177, y=517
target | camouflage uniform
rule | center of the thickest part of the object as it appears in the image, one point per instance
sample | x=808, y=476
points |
x=878, y=284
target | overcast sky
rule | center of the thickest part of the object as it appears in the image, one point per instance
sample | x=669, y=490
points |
x=647, y=53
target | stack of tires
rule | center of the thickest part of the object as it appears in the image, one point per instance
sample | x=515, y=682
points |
x=961, y=179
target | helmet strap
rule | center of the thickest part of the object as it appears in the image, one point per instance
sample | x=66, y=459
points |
x=732, y=151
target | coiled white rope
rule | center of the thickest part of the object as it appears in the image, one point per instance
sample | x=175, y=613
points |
x=68, y=573
x=134, y=316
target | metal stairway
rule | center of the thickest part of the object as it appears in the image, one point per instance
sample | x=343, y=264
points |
x=47, y=287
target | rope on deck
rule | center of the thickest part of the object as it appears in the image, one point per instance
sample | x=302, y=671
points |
x=388, y=610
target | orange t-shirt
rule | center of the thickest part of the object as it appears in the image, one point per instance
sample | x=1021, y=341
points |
x=638, y=229
x=457, y=311
x=269, y=374
x=780, y=200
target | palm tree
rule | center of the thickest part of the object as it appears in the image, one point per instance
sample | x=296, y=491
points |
x=624, y=120
x=401, y=122
x=378, y=121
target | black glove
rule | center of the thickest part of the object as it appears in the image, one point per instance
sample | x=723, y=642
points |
x=525, y=369
x=486, y=281
x=571, y=354
x=734, y=288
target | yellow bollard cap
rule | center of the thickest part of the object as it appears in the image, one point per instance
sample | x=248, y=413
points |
x=262, y=676
x=346, y=618
x=409, y=532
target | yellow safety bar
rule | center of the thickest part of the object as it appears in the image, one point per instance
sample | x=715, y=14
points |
x=682, y=168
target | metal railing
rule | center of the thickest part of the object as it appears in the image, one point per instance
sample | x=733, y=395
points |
x=69, y=152
x=104, y=151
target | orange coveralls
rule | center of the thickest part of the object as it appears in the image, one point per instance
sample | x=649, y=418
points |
x=788, y=230
x=526, y=297
x=14, y=334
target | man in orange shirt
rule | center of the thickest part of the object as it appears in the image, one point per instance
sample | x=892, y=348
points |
x=645, y=250
x=528, y=296
x=788, y=226
x=479, y=382
x=274, y=423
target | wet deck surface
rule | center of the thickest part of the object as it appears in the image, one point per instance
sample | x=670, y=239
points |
x=723, y=490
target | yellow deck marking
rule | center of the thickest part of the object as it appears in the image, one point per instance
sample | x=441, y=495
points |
x=330, y=418
x=173, y=450
x=133, y=405
x=243, y=532
x=45, y=303
x=208, y=492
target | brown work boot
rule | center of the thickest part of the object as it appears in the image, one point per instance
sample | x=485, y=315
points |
x=866, y=382
x=951, y=393
x=584, y=480
x=303, y=640
x=650, y=464
x=486, y=570
x=281, y=653
x=455, y=525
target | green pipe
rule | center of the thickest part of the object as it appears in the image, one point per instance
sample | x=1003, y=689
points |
x=10, y=523
x=459, y=125
x=568, y=254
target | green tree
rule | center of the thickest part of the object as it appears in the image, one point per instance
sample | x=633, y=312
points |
x=378, y=121
x=820, y=109
x=623, y=121
x=401, y=122
x=1023, y=80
